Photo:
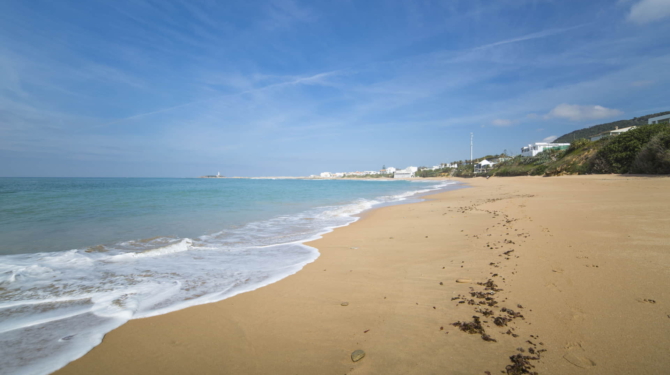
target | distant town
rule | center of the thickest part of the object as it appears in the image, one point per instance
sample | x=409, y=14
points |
x=539, y=158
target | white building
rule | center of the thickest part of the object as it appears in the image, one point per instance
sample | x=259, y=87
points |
x=404, y=173
x=659, y=120
x=537, y=147
x=390, y=170
x=411, y=169
x=326, y=174
x=483, y=166
x=612, y=133
x=338, y=174
x=446, y=165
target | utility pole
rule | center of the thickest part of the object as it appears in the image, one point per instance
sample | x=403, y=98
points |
x=471, y=137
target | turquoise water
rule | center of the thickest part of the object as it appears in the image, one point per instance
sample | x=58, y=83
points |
x=80, y=257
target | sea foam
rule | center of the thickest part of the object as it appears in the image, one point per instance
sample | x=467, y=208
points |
x=57, y=306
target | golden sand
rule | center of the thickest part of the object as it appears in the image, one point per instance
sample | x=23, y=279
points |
x=590, y=270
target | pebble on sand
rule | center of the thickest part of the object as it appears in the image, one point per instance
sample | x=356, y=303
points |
x=345, y=304
x=464, y=281
x=357, y=355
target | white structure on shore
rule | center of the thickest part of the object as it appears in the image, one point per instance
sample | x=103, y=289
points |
x=390, y=170
x=483, y=166
x=405, y=173
x=537, y=147
x=326, y=175
x=612, y=133
x=659, y=120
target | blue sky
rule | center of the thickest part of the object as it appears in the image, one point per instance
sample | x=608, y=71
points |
x=185, y=88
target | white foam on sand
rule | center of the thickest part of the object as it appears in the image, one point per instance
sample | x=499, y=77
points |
x=55, y=307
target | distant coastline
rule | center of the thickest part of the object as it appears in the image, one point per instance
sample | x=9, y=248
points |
x=319, y=178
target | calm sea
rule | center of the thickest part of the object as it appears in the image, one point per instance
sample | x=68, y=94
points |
x=81, y=256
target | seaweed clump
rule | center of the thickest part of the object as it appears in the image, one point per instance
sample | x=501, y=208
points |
x=474, y=328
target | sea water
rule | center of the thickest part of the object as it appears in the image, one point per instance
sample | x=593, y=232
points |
x=82, y=256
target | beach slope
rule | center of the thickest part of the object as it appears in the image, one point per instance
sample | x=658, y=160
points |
x=575, y=272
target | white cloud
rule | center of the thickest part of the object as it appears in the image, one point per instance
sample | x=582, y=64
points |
x=550, y=139
x=575, y=112
x=501, y=122
x=647, y=11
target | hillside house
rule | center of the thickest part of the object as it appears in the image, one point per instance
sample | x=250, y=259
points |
x=483, y=166
x=612, y=133
x=659, y=120
x=537, y=147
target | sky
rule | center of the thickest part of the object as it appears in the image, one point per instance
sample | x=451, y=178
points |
x=291, y=88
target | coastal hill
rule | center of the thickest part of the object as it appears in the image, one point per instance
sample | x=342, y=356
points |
x=597, y=129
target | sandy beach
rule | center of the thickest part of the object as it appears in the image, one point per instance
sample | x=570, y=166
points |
x=575, y=271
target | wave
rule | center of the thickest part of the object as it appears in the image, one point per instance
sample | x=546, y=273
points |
x=58, y=306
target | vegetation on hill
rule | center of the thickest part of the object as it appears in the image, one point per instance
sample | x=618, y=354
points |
x=621, y=152
x=644, y=150
x=442, y=172
x=597, y=129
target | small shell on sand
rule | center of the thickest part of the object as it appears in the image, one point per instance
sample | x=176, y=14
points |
x=345, y=304
x=357, y=355
x=464, y=281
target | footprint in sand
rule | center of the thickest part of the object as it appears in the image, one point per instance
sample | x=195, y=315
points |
x=553, y=287
x=575, y=354
x=578, y=359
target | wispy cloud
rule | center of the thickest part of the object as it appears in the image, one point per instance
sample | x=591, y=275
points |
x=316, y=79
x=550, y=138
x=537, y=35
x=502, y=122
x=646, y=11
x=575, y=112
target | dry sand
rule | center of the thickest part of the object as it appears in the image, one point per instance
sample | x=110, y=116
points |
x=590, y=268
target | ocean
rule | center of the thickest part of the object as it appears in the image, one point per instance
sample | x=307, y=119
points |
x=82, y=256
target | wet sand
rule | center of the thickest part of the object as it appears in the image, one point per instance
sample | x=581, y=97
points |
x=587, y=281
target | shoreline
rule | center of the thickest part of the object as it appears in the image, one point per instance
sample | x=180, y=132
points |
x=566, y=271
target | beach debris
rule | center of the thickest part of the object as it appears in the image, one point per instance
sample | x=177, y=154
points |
x=344, y=304
x=473, y=327
x=366, y=331
x=441, y=283
x=521, y=365
x=357, y=355
x=463, y=281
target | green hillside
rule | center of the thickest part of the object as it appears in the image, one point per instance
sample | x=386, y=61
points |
x=644, y=150
x=597, y=129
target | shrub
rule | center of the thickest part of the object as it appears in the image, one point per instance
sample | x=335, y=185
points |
x=618, y=154
x=539, y=171
x=576, y=145
x=654, y=158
